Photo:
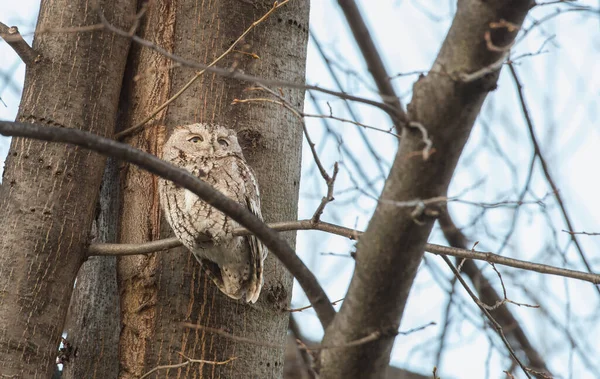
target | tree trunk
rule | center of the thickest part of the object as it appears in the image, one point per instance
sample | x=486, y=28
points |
x=93, y=321
x=160, y=291
x=49, y=191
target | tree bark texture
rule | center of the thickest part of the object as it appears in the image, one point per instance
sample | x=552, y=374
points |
x=160, y=291
x=49, y=191
x=390, y=251
x=93, y=321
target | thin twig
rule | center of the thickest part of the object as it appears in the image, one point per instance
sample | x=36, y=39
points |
x=330, y=181
x=140, y=124
x=331, y=117
x=236, y=74
x=368, y=338
x=546, y=170
x=349, y=108
x=278, y=246
x=365, y=126
x=344, y=150
x=14, y=39
x=417, y=329
x=373, y=59
x=489, y=69
x=310, y=306
x=187, y=362
x=493, y=322
x=584, y=233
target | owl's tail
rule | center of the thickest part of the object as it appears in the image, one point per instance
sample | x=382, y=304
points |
x=254, y=287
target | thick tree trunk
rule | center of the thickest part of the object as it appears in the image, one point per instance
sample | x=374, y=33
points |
x=93, y=321
x=49, y=191
x=160, y=291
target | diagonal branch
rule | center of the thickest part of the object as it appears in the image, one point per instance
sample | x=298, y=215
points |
x=391, y=249
x=488, y=295
x=156, y=166
x=14, y=39
x=234, y=74
x=497, y=327
x=338, y=83
x=372, y=58
x=538, y=152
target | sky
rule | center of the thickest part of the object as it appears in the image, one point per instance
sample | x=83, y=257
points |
x=561, y=87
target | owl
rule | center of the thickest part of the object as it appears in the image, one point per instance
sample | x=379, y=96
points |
x=213, y=154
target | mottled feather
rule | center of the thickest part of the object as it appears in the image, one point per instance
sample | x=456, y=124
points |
x=212, y=153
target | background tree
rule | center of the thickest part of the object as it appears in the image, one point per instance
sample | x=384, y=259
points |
x=487, y=201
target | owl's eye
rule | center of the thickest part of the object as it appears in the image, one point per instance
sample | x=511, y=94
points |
x=223, y=142
x=196, y=139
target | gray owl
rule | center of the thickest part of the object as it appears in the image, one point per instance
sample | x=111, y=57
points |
x=213, y=154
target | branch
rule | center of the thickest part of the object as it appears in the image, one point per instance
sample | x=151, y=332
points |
x=372, y=58
x=385, y=332
x=14, y=39
x=119, y=249
x=488, y=295
x=546, y=170
x=391, y=249
x=338, y=83
x=235, y=74
x=487, y=314
x=187, y=362
x=512, y=262
x=116, y=249
x=183, y=178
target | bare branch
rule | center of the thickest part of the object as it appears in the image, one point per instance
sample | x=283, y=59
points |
x=234, y=74
x=372, y=58
x=546, y=169
x=487, y=314
x=584, y=233
x=512, y=262
x=330, y=181
x=156, y=166
x=338, y=83
x=186, y=363
x=488, y=294
x=106, y=249
x=14, y=39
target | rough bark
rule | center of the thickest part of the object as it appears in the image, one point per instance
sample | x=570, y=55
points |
x=160, y=291
x=49, y=193
x=389, y=252
x=93, y=321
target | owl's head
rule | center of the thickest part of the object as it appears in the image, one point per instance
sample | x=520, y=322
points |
x=201, y=140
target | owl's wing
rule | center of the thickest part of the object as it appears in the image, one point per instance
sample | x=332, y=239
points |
x=258, y=251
